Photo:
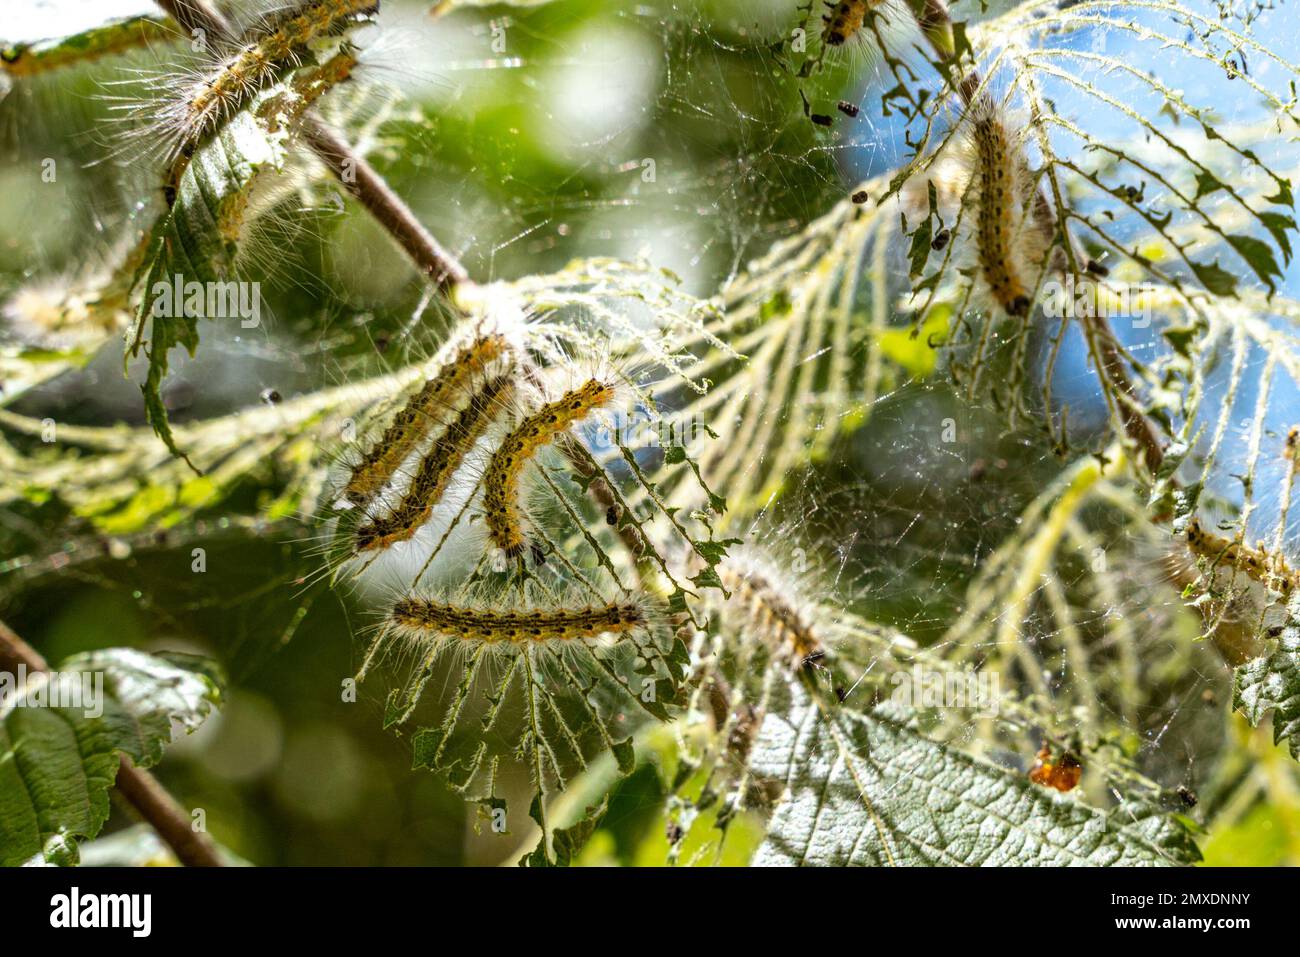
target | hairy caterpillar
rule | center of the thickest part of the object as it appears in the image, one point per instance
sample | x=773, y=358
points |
x=1256, y=562
x=420, y=616
x=63, y=314
x=999, y=213
x=771, y=610
x=501, y=484
x=436, y=469
x=1232, y=620
x=844, y=21
x=215, y=97
x=116, y=36
x=417, y=418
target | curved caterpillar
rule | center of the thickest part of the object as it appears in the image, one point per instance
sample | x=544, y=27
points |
x=501, y=484
x=436, y=469
x=419, y=616
x=417, y=418
x=770, y=612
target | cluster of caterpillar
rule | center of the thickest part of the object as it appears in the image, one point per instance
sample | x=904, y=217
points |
x=469, y=436
x=502, y=484
x=418, y=417
x=434, y=473
x=772, y=611
x=266, y=55
x=486, y=390
x=403, y=473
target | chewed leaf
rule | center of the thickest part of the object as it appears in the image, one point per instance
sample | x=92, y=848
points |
x=552, y=708
x=1272, y=683
x=568, y=842
x=866, y=789
x=60, y=739
x=208, y=186
x=191, y=245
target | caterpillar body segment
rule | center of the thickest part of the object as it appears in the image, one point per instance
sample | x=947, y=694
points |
x=436, y=469
x=843, y=21
x=420, y=415
x=115, y=37
x=308, y=87
x=502, y=483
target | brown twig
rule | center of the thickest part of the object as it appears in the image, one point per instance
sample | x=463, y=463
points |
x=140, y=788
x=352, y=170
x=361, y=180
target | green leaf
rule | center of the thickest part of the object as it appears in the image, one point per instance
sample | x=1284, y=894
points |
x=1278, y=226
x=1272, y=683
x=868, y=789
x=1283, y=196
x=919, y=251
x=195, y=241
x=568, y=842
x=1259, y=255
x=1206, y=183
x=1215, y=278
x=57, y=763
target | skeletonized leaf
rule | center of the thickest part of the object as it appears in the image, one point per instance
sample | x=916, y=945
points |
x=57, y=763
x=553, y=710
x=869, y=790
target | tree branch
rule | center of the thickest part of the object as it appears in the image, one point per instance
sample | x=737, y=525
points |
x=140, y=788
x=361, y=180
